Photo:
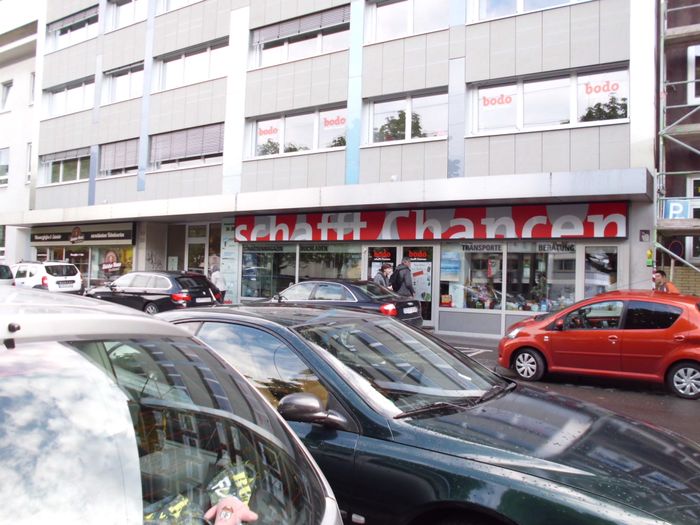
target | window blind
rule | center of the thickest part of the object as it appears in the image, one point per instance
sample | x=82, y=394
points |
x=65, y=155
x=72, y=19
x=188, y=143
x=118, y=155
x=305, y=24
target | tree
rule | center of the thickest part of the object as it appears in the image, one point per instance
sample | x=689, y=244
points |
x=270, y=147
x=395, y=128
x=613, y=109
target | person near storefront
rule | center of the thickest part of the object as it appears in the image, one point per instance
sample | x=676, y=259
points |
x=401, y=280
x=382, y=277
x=662, y=284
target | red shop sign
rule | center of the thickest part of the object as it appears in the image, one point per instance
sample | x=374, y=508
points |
x=558, y=221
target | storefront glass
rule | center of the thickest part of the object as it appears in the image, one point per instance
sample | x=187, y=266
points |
x=471, y=275
x=601, y=270
x=108, y=263
x=330, y=261
x=267, y=269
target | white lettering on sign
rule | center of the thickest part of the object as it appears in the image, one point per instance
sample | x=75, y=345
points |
x=430, y=224
x=467, y=229
x=600, y=222
x=567, y=225
x=530, y=225
x=502, y=223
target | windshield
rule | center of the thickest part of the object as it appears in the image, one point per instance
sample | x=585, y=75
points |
x=61, y=270
x=5, y=272
x=401, y=368
x=203, y=433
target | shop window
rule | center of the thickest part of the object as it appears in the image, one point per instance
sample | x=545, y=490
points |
x=542, y=104
x=329, y=261
x=109, y=263
x=119, y=158
x=694, y=74
x=71, y=30
x=70, y=98
x=428, y=118
x=121, y=13
x=6, y=99
x=303, y=37
x=4, y=166
x=66, y=166
x=471, y=276
x=123, y=84
x=601, y=270
x=267, y=269
x=395, y=19
x=189, y=67
x=187, y=147
x=304, y=132
x=489, y=9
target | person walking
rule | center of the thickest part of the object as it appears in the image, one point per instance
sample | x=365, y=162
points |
x=382, y=277
x=401, y=280
x=662, y=284
x=219, y=281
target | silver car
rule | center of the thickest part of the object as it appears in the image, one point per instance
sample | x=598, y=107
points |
x=6, y=278
x=112, y=416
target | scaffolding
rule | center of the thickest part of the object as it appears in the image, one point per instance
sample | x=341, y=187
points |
x=679, y=126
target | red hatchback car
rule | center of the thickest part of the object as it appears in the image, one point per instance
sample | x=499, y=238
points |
x=630, y=334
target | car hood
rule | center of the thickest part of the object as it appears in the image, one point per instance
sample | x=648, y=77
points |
x=572, y=443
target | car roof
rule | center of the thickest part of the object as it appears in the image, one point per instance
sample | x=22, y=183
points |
x=691, y=300
x=30, y=314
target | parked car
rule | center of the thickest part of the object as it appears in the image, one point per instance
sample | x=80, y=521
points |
x=54, y=276
x=641, y=335
x=112, y=416
x=154, y=292
x=6, y=277
x=409, y=431
x=350, y=293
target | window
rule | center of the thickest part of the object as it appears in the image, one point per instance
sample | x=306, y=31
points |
x=4, y=166
x=498, y=8
x=32, y=85
x=29, y=161
x=2, y=240
x=6, y=91
x=119, y=158
x=121, y=13
x=601, y=270
x=71, y=98
x=73, y=29
x=123, y=84
x=303, y=37
x=642, y=315
x=471, y=276
x=428, y=118
x=187, y=147
x=392, y=19
x=299, y=292
x=329, y=261
x=330, y=292
x=193, y=66
x=548, y=103
x=269, y=363
x=694, y=74
x=304, y=132
x=597, y=316
x=66, y=166
x=267, y=269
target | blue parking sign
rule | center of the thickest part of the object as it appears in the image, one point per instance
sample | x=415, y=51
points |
x=676, y=209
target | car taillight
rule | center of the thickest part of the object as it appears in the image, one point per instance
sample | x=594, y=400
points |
x=217, y=296
x=44, y=282
x=389, y=309
x=181, y=297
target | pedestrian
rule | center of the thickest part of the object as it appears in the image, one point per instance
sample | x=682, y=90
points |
x=219, y=282
x=382, y=277
x=662, y=284
x=401, y=280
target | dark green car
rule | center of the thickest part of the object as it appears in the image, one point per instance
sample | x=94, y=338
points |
x=409, y=431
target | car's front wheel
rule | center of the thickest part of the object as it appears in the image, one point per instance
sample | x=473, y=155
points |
x=528, y=364
x=683, y=379
x=151, y=308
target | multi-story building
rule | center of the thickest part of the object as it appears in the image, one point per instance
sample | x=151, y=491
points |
x=679, y=142
x=18, y=38
x=272, y=139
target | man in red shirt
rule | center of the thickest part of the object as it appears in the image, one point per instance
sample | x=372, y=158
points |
x=662, y=284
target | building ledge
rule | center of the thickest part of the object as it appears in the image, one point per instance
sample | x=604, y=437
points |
x=678, y=226
x=682, y=34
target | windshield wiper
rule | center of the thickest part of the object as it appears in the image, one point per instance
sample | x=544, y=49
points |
x=495, y=391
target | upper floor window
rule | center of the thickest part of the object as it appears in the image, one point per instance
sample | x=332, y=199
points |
x=305, y=132
x=428, y=118
x=71, y=98
x=72, y=29
x=123, y=84
x=32, y=85
x=694, y=74
x=488, y=9
x=170, y=5
x=119, y=158
x=391, y=19
x=6, y=92
x=121, y=13
x=2, y=241
x=554, y=102
x=187, y=147
x=190, y=67
x=302, y=37
x=65, y=166
x=4, y=166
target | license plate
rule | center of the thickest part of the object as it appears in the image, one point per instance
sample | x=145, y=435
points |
x=65, y=285
x=410, y=310
x=202, y=300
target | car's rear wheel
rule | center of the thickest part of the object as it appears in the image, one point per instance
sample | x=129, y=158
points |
x=151, y=308
x=683, y=379
x=528, y=364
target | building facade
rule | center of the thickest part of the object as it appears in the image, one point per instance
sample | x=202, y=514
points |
x=273, y=140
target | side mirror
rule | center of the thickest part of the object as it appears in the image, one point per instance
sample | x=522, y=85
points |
x=559, y=324
x=307, y=408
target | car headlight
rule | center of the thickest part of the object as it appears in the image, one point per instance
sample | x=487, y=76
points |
x=513, y=333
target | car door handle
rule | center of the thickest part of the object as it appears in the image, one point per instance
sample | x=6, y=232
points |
x=613, y=338
x=679, y=338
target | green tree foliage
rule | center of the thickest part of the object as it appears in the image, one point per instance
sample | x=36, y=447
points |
x=395, y=128
x=613, y=109
x=270, y=147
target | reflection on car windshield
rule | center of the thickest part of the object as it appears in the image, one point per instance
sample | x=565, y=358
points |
x=402, y=365
x=203, y=435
